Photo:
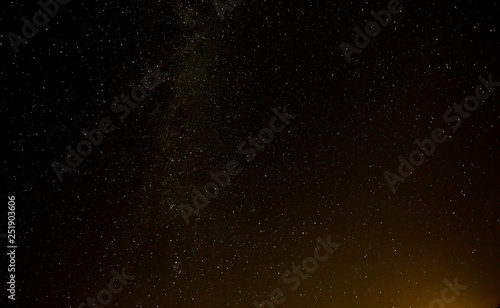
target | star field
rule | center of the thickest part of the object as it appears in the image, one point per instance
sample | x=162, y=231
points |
x=323, y=175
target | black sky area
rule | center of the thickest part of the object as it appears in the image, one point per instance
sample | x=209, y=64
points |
x=323, y=175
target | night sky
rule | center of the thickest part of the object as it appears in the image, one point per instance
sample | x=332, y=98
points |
x=223, y=80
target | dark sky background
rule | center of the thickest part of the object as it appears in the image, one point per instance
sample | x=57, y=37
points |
x=324, y=175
